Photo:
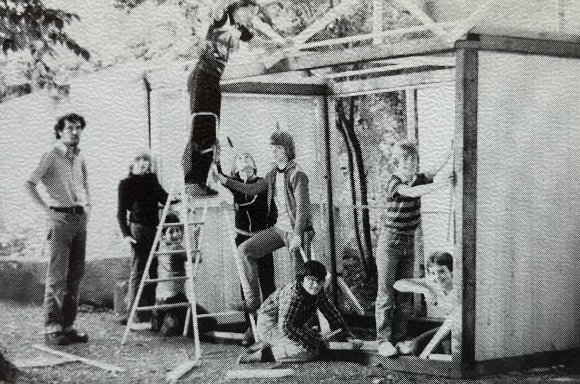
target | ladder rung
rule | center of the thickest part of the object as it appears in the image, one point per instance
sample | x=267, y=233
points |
x=175, y=251
x=175, y=278
x=215, y=314
x=190, y=223
x=163, y=306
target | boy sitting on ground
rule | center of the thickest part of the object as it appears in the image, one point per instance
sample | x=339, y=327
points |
x=285, y=318
x=437, y=287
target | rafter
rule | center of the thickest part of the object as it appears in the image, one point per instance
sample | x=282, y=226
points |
x=321, y=23
x=464, y=26
x=418, y=13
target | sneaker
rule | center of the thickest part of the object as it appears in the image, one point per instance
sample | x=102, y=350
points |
x=407, y=347
x=387, y=349
x=75, y=336
x=56, y=338
x=248, y=338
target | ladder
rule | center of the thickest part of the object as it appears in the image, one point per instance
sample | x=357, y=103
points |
x=188, y=209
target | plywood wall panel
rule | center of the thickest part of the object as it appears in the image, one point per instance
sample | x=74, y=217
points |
x=526, y=240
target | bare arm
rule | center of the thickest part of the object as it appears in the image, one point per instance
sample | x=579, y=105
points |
x=413, y=285
x=30, y=188
x=420, y=190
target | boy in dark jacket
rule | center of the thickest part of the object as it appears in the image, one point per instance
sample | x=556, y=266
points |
x=251, y=217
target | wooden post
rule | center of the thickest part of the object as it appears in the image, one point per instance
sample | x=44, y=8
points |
x=377, y=20
x=466, y=208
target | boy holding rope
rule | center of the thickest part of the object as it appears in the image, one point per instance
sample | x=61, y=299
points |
x=396, y=245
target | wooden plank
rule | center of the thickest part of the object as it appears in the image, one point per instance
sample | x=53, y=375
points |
x=368, y=36
x=423, y=17
x=464, y=26
x=522, y=45
x=41, y=362
x=258, y=373
x=181, y=370
x=466, y=204
x=105, y=366
x=368, y=53
x=347, y=345
x=321, y=23
x=377, y=20
x=391, y=83
x=267, y=30
x=274, y=88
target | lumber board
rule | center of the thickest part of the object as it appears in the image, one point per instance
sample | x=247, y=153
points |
x=258, y=373
x=99, y=364
x=181, y=370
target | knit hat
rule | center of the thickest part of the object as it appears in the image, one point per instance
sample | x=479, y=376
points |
x=284, y=139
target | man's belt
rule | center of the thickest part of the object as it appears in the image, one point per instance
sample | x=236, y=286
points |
x=77, y=210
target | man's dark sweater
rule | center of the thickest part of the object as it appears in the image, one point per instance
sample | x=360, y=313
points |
x=140, y=195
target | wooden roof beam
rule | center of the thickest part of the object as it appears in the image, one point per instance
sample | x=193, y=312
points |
x=321, y=23
x=392, y=83
x=418, y=13
x=466, y=25
x=365, y=53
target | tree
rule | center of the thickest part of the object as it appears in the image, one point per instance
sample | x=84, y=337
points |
x=29, y=27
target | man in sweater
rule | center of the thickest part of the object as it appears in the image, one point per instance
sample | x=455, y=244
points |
x=288, y=194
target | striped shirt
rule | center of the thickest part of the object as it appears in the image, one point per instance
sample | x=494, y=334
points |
x=403, y=213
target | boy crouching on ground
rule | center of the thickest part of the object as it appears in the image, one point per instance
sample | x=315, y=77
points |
x=285, y=318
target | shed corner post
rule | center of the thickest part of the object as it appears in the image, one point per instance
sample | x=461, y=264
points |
x=465, y=165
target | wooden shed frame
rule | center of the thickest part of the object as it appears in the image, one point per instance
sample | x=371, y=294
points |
x=463, y=55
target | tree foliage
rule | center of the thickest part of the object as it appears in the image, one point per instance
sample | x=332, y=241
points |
x=30, y=25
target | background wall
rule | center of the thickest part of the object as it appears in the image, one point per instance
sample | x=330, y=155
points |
x=528, y=224
x=248, y=120
x=114, y=105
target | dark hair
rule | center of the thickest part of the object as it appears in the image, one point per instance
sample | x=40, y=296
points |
x=312, y=268
x=71, y=118
x=285, y=140
x=440, y=258
x=171, y=218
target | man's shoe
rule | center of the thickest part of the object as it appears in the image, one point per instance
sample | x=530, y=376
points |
x=56, y=338
x=387, y=349
x=248, y=338
x=75, y=336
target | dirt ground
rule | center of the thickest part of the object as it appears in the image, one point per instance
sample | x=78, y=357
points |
x=147, y=357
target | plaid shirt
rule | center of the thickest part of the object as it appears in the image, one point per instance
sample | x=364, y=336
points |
x=292, y=307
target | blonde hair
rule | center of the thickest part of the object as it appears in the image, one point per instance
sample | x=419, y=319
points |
x=234, y=165
x=142, y=154
x=404, y=148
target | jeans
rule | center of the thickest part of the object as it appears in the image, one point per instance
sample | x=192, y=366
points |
x=255, y=248
x=395, y=261
x=145, y=236
x=265, y=272
x=66, y=246
x=204, y=96
x=283, y=349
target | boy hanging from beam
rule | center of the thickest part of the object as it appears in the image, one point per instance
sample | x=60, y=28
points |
x=285, y=320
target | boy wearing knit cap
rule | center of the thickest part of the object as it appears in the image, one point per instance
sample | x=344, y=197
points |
x=288, y=196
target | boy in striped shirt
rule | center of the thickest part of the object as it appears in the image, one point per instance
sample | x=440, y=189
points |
x=396, y=245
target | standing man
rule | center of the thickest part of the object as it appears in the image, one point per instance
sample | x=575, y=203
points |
x=288, y=194
x=63, y=172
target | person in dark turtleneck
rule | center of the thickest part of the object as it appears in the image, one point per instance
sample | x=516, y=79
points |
x=139, y=196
